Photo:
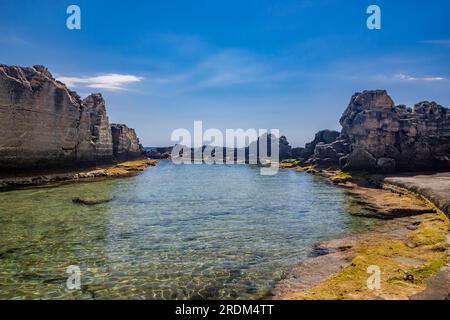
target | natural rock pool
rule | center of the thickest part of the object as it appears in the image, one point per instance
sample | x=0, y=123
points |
x=172, y=232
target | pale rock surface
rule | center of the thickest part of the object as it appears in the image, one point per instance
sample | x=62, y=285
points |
x=44, y=125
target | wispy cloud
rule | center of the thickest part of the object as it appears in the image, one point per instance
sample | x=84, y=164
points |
x=177, y=43
x=231, y=67
x=439, y=42
x=224, y=69
x=111, y=81
x=8, y=40
x=407, y=77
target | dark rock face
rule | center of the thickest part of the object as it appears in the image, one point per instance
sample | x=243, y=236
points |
x=159, y=153
x=378, y=136
x=297, y=153
x=285, y=149
x=395, y=137
x=44, y=125
x=321, y=150
x=125, y=143
x=322, y=137
x=331, y=153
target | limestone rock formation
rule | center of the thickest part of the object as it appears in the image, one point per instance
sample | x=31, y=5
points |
x=285, y=148
x=329, y=154
x=393, y=137
x=378, y=136
x=99, y=127
x=159, y=153
x=321, y=138
x=125, y=142
x=44, y=125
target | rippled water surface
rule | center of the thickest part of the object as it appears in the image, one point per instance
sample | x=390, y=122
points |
x=172, y=232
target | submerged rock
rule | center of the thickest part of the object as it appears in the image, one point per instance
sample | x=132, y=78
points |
x=90, y=201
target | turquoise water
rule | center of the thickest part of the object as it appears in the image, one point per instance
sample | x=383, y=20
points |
x=172, y=232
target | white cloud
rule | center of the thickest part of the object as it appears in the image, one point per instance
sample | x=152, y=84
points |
x=402, y=76
x=406, y=77
x=439, y=42
x=112, y=81
x=434, y=79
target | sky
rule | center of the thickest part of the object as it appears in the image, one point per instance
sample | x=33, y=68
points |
x=290, y=65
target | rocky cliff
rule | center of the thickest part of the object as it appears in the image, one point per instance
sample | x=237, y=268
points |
x=378, y=136
x=45, y=125
x=125, y=142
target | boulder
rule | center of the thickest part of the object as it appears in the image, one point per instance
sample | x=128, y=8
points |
x=92, y=200
x=358, y=160
x=329, y=154
x=321, y=137
x=386, y=165
x=298, y=153
x=126, y=144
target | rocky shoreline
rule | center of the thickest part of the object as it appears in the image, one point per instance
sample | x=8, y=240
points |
x=411, y=249
x=119, y=170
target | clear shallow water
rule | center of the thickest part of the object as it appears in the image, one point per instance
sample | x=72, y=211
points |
x=172, y=232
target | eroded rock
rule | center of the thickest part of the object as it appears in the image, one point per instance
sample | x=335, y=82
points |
x=44, y=125
x=398, y=138
x=125, y=142
x=378, y=136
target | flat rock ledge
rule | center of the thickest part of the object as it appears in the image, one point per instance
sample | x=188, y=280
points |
x=124, y=169
x=435, y=187
x=340, y=272
x=412, y=248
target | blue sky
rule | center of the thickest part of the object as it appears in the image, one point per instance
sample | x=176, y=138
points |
x=291, y=64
